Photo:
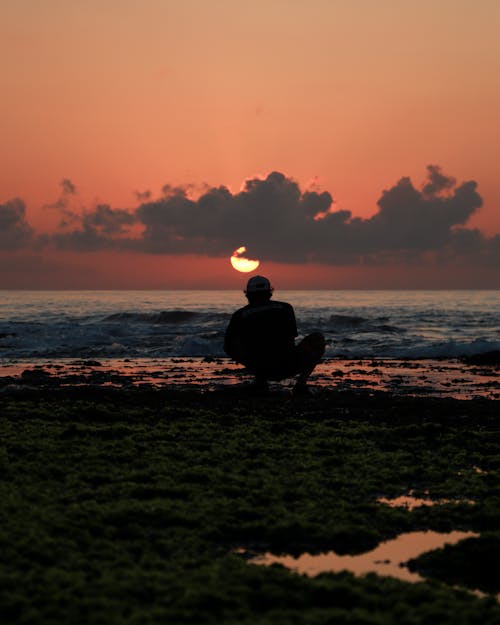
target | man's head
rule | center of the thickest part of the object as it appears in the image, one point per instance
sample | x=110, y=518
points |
x=258, y=289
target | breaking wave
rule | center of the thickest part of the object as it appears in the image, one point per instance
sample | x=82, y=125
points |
x=193, y=323
x=451, y=349
x=166, y=316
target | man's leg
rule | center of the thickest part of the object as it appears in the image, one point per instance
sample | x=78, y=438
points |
x=260, y=383
x=310, y=351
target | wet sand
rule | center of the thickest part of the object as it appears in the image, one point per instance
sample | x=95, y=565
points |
x=426, y=378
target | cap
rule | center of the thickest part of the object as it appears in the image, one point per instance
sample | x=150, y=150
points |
x=258, y=284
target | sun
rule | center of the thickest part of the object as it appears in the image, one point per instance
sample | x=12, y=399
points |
x=240, y=263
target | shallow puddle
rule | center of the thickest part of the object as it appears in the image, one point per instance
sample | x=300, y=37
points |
x=387, y=559
x=409, y=502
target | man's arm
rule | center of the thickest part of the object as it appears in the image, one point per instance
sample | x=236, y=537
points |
x=291, y=322
x=232, y=341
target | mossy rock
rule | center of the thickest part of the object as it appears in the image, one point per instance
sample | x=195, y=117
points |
x=473, y=563
x=125, y=507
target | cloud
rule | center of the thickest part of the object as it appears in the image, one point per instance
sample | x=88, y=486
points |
x=15, y=232
x=68, y=188
x=420, y=220
x=437, y=181
x=100, y=229
x=62, y=204
x=143, y=196
x=107, y=220
x=278, y=221
x=271, y=216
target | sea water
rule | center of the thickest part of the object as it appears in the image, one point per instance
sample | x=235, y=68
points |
x=166, y=324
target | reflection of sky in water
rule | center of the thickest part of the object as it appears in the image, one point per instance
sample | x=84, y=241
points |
x=409, y=502
x=386, y=559
x=426, y=378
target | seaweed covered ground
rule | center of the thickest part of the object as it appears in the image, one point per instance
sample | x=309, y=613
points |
x=133, y=506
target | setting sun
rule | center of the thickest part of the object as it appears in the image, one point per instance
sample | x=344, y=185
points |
x=240, y=263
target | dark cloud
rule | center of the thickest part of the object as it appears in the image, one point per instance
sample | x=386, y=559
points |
x=143, y=196
x=494, y=243
x=68, y=188
x=437, y=181
x=465, y=241
x=271, y=216
x=100, y=229
x=86, y=239
x=168, y=189
x=107, y=220
x=15, y=232
x=414, y=220
x=277, y=221
x=62, y=204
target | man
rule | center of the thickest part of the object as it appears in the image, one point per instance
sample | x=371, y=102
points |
x=261, y=336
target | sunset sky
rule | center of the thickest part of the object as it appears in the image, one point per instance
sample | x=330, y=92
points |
x=345, y=143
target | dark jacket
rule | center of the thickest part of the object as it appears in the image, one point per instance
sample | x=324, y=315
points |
x=261, y=334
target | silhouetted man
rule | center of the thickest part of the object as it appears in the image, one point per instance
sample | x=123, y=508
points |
x=261, y=336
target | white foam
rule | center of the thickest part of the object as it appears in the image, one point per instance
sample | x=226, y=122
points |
x=192, y=323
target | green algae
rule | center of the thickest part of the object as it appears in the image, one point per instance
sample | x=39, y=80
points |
x=472, y=563
x=126, y=507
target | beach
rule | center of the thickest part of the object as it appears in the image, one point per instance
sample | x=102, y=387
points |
x=129, y=497
x=144, y=481
x=473, y=378
x=308, y=188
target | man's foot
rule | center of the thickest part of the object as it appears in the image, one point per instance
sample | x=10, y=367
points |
x=260, y=385
x=302, y=390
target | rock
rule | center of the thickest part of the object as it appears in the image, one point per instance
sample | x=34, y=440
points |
x=486, y=358
x=35, y=374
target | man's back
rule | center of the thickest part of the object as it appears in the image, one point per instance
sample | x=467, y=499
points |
x=262, y=332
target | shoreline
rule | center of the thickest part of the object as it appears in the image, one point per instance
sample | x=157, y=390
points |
x=452, y=378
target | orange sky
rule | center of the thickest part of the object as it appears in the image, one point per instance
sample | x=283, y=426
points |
x=351, y=95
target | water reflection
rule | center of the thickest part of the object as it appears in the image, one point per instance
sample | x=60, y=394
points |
x=387, y=559
x=430, y=378
x=409, y=502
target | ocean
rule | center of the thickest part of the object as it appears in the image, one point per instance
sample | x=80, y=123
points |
x=171, y=324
